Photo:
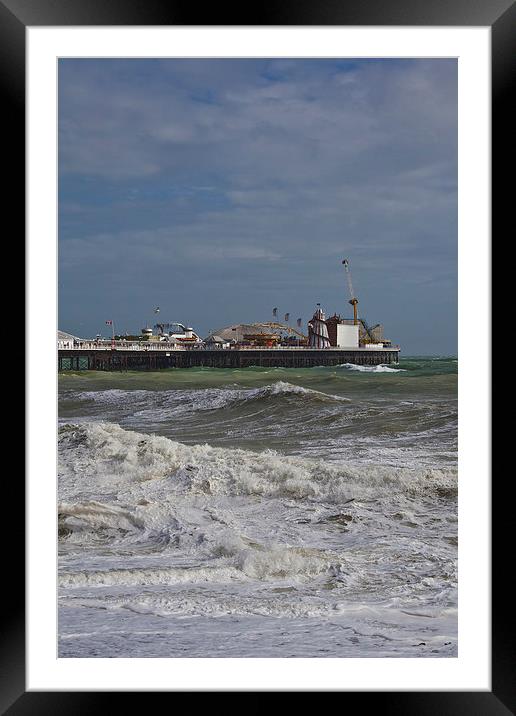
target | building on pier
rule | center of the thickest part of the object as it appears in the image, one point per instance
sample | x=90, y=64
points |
x=67, y=340
x=268, y=334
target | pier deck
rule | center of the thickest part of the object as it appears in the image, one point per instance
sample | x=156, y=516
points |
x=149, y=359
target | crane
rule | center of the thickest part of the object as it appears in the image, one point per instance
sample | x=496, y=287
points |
x=353, y=301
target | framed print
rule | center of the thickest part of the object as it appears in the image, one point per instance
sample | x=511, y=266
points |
x=286, y=503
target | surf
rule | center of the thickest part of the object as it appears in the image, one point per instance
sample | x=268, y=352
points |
x=111, y=456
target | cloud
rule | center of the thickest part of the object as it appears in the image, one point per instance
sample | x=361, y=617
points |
x=259, y=173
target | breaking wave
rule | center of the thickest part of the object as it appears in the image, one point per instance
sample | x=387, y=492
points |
x=371, y=368
x=105, y=457
x=209, y=398
x=248, y=564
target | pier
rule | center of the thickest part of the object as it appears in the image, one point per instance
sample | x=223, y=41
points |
x=125, y=358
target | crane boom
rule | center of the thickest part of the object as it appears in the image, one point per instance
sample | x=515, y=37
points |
x=348, y=276
x=353, y=300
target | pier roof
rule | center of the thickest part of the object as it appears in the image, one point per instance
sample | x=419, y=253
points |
x=238, y=331
x=63, y=336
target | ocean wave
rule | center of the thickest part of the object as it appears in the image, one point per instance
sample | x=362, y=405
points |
x=96, y=516
x=113, y=396
x=103, y=456
x=142, y=407
x=371, y=368
x=271, y=604
x=283, y=388
x=84, y=525
x=206, y=398
x=279, y=563
x=217, y=398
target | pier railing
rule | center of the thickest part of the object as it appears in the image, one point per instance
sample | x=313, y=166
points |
x=165, y=346
x=120, y=345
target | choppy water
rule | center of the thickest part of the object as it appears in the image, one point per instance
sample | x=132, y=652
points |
x=259, y=512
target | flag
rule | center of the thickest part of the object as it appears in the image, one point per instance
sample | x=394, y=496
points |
x=299, y=323
x=109, y=323
x=287, y=316
x=274, y=312
x=156, y=310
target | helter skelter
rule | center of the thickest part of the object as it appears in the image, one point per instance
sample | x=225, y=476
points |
x=318, y=331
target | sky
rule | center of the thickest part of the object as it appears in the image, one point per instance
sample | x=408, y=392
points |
x=218, y=189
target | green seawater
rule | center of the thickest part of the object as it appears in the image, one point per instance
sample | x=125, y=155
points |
x=402, y=413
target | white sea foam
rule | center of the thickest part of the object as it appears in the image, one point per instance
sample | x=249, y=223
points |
x=285, y=563
x=371, y=368
x=105, y=455
x=364, y=620
x=96, y=516
x=113, y=396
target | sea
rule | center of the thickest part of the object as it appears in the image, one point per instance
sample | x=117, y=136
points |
x=259, y=512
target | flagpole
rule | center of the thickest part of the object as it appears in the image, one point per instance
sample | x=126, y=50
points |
x=112, y=335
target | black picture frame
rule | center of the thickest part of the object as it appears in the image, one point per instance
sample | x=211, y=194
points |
x=500, y=15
